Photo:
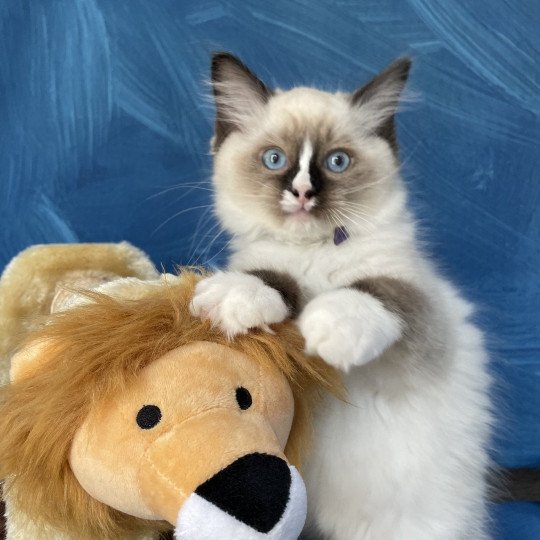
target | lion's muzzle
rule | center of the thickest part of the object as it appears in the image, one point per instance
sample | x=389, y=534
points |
x=258, y=496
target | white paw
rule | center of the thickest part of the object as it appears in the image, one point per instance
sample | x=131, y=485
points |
x=348, y=328
x=236, y=302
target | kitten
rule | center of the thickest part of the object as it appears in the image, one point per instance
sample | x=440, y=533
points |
x=308, y=185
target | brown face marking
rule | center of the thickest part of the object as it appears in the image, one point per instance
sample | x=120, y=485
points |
x=342, y=199
x=286, y=179
x=331, y=189
x=335, y=191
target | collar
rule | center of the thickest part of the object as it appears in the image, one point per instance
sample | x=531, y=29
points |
x=340, y=235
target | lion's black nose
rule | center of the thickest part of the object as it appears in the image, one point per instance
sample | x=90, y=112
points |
x=254, y=489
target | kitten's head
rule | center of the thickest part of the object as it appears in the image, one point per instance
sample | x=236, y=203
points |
x=297, y=164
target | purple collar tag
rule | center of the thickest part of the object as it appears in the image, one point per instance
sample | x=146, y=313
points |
x=340, y=235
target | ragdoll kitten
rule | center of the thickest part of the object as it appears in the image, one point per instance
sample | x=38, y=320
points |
x=308, y=184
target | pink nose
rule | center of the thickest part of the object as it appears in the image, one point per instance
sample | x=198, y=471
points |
x=303, y=195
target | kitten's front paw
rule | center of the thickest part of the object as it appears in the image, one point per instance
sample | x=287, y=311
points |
x=236, y=302
x=348, y=328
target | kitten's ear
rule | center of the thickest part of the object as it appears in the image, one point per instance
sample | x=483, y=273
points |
x=378, y=99
x=238, y=93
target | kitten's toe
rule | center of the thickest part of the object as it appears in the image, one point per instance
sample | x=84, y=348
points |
x=251, y=305
x=348, y=328
x=236, y=302
x=326, y=336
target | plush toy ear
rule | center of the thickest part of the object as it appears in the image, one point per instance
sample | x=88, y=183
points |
x=29, y=285
x=25, y=362
x=66, y=293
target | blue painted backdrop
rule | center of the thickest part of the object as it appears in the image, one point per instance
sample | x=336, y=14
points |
x=104, y=133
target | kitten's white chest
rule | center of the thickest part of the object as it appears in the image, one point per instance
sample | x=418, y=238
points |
x=325, y=266
x=318, y=267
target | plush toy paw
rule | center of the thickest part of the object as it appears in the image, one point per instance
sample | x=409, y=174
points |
x=348, y=328
x=236, y=302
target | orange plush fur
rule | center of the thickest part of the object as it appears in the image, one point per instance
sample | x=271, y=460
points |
x=93, y=351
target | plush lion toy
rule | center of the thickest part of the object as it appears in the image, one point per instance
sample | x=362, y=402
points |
x=126, y=416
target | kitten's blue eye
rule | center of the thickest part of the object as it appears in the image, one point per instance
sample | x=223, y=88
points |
x=274, y=159
x=337, y=161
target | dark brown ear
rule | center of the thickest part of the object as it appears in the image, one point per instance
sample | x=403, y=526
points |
x=380, y=97
x=238, y=93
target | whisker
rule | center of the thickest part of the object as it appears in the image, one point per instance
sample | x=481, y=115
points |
x=209, y=246
x=204, y=242
x=351, y=204
x=258, y=195
x=268, y=186
x=348, y=217
x=359, y=215
x=206, y=216
x=219, y=252
x=179, y=186
x=328, y=217
x=406, y=159
x=363, y=187
x=178, y=214
x=334, y=218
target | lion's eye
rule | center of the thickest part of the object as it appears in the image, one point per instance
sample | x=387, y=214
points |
x=148, y=417
x=243, y=397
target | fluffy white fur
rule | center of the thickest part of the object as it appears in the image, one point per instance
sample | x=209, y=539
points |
x=236, y=302
x=406, y=457
x=348, y=328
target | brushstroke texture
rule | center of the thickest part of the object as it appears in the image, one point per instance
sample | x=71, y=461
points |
x=106, y=123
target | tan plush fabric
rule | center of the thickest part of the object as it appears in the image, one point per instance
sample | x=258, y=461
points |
x=29, y=285
x=30, y=282
x=202, y=429
x=109, y=348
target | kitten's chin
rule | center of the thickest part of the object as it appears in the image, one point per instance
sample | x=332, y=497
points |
x=247, y=221
x=302, y=227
